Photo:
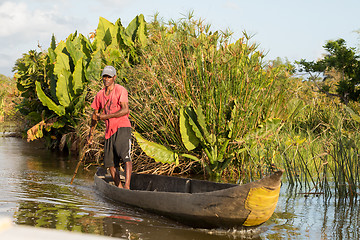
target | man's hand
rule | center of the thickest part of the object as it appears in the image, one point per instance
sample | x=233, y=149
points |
x=96, y=116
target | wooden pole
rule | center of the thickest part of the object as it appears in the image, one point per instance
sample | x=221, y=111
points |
x=83, y=154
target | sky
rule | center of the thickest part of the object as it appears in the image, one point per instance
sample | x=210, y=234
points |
x=287, y=29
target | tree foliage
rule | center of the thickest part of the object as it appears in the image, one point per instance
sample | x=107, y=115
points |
x=54, y=83
x=342, y=59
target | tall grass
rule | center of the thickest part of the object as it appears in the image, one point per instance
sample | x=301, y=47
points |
x=186, y=64
x=322, y=152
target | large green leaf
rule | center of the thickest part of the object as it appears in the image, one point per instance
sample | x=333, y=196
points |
x=60, y=47
x=105, y=33
x=156, y=151
x=203, y=125
x=85, y=45
x=93, y=70
x=52, y=56
x=131, y=29
x=46, y=101
x=62, y=62
x=118, y=34
x=78, y=77
x=125, y=39
x=64, y=83
x=188, y=136
x=63, y=88
x=192, y=117
x=141, y=31
x=74, y=49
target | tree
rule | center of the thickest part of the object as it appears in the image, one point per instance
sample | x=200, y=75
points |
x=345, y=62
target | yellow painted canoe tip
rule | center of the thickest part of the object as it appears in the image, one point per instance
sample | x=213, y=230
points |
x=262, y=203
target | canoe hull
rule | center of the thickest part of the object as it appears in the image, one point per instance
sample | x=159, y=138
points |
x=232, y=206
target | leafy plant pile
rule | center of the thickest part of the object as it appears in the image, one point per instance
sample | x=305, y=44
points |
x=200, y=98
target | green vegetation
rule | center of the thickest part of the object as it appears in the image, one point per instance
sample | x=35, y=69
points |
x=195, y=89
x=54, y=85
x=201, y=103
x=341, y=71
x=8, y=99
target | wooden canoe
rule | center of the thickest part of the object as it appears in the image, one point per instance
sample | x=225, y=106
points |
x=198, y=203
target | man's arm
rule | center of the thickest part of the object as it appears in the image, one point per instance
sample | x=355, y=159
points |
x=122, y=112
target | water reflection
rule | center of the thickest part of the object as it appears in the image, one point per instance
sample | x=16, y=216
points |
x=313, y=217
x=35, y=190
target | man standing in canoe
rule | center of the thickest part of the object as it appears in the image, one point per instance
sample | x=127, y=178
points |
x=111, y=105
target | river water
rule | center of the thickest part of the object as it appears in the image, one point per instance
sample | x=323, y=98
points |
x=35, y=191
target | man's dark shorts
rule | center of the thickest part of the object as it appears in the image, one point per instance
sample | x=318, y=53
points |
x=117, y=147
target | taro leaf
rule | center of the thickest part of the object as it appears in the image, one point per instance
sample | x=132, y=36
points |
x=104, y=33
x=63, y=87
x=52, y=56
x=130, y=30
x=93, y=70
x=78, y=77
x=85, y=45
x=72, y=36
x=192, y=117
x=141, y=31
x=122, y=40
x=156, y=151
x=125, y=40
x=60, y=48
x=202, y=123
x=223, y=149
x=62, y=62
x=46, y=101
x=74, y=50
x=188, y=136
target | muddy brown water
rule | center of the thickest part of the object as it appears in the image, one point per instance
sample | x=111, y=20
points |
x=35, y=191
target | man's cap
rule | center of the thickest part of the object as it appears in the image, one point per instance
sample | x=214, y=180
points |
x=109, y=70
